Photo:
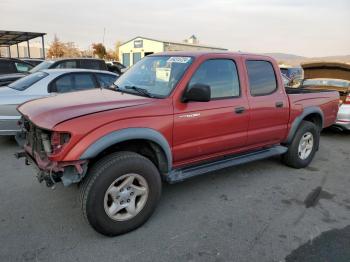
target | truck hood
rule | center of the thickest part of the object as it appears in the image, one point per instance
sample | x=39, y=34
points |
x=50, y=111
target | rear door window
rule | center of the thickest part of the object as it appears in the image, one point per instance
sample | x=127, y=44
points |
x=83, y=82
x=64, y=84
x=67, y=64
x=262, y=78
x=90, y=64
x=74, y=82
x=105, y=80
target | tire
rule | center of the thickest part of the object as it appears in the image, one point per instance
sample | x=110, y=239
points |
x=295, y=157
x=100, y=192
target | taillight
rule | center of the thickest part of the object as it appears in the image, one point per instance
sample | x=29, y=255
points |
x=58, y=140
x=347, y=100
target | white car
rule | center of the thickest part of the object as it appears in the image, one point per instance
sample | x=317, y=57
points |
x=46, y=83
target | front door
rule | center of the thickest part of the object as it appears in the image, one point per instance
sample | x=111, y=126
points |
x=203, y=130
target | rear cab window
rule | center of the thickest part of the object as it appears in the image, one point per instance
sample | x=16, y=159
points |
x=261, y=77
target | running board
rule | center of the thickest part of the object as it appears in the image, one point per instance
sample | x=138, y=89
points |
x=178, y=175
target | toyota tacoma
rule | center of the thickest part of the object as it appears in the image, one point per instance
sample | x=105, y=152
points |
x=170, y=117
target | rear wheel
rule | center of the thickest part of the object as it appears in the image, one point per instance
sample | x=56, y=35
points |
x=120, y=193
x=303, y=147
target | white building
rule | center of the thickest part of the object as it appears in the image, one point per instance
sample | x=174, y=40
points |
x=133, y=50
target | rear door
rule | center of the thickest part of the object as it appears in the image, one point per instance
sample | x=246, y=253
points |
x=207, y=129
x=269, y=105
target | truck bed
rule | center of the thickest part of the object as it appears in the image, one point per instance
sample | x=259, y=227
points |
x=326, y=100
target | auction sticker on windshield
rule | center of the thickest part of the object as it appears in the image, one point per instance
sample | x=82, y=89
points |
x=179, y=59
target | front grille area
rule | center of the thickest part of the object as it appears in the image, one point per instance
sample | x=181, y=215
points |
x=34, y=138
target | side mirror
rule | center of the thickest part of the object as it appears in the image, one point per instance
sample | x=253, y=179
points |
x=198, y=93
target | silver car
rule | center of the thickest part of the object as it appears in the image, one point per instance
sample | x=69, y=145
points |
x=46, y=83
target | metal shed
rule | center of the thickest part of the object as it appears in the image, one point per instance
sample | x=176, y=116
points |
x=10, y=38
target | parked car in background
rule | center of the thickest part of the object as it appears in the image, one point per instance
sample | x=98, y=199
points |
x=33, y=61
x=116, y=67
x=12, y=69
x=331, y=76
x=286, y=80
x=292, y=72
x=173, y=116
x=46, y=83
x=85, y=63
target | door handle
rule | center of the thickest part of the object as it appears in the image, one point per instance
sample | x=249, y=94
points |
x=240, y=109
x=279, y=104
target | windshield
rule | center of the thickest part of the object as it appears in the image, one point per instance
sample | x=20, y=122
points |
x=25, y=82
x=41, y=66
x=326, y=82
x=156, y=75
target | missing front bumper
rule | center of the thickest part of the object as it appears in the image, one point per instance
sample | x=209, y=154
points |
x=54, y=172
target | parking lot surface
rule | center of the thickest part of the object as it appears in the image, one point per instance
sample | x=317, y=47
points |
x=254, y=212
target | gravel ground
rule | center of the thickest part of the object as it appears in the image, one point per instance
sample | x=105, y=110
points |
x=253, y=212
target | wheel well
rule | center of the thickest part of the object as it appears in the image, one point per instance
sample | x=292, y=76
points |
x=146, y=148
x=316, y=119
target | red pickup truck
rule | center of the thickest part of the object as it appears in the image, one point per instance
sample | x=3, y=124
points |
x=170, y=117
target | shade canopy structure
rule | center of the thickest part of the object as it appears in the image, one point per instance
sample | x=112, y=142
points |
x=10, y=38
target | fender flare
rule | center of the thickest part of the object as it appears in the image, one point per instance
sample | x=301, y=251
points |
x=126, y=134
x=307, y=111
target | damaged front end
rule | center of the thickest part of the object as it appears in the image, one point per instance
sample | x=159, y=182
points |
x=39, y=148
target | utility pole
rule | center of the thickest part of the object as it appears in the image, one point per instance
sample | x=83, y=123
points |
x=104, y=32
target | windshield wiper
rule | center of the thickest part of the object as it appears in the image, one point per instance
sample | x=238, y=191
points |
x=140, y=90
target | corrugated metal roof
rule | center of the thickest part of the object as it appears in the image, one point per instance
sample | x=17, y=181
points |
x=8, y=38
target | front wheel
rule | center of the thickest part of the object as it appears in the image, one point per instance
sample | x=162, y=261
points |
x=120, y=193
x=303, y=147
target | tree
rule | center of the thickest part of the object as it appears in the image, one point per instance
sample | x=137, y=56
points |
x=110, y=55
x=70, y=50
x=116, y=50
x=99, y=49
x=56, y=48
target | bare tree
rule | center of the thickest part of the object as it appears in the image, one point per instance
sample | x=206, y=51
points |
x=56, y=48
x=99, y=49
x=70, y=50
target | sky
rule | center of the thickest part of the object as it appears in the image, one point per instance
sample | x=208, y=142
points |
x=308, y=28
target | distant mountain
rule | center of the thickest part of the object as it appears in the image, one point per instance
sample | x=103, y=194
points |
x=297, y=60
x=283, y=57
